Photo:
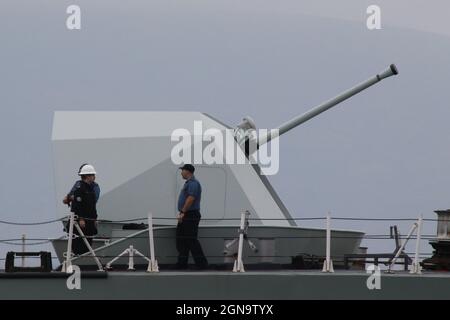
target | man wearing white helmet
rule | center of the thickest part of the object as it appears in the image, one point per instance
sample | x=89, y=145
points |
x=83, y=204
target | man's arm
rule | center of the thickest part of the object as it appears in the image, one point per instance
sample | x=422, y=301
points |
x=78, y=207
x=69, y=197
x=192, y=190
x=97, y=191
x=188, y=203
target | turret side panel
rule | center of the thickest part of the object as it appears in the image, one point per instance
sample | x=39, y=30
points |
x=137, y=175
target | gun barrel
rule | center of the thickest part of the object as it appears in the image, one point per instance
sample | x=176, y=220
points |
x=390, y=71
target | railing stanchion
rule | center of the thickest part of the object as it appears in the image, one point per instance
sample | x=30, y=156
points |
x=402, y=247
x=23, y=250
x=238, y=264
x=86, y=242
x=67, y=266
x=153, y=264
x=416, y=268
x=328, y=263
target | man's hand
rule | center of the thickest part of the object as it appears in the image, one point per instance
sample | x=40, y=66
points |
x=188, y=203
x=82, y=223
x=68, y=199
x=180, y=217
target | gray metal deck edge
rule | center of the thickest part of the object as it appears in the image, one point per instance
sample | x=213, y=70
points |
x=279, y=285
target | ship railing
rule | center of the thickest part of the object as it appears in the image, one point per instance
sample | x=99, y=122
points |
x=242, y=236
x=416, y=227
x=67, y=265
x=131, y=251
x=328, y=262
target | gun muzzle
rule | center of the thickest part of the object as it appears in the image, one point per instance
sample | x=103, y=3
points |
x=391, y=71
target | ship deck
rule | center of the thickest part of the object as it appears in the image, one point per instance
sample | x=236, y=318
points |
x=226, y=285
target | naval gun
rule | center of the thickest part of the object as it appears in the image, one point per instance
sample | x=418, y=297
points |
x=245, y=132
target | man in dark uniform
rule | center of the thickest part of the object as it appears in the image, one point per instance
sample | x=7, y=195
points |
x=188, y=221
x=84, y=207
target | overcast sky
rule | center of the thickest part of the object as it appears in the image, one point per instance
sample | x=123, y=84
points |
x=384, y=153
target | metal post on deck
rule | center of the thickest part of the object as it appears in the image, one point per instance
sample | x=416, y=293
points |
x=67, y=265
x=402, y=247
x=130, y=251
x=238, y=264
x=81, y=234
x=131, y=258
x=130, y=262
x=153, y=264
x=416, y=268
x=328, y=263
x=23, y=250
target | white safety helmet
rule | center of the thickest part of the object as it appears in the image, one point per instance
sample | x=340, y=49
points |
x=86, y=169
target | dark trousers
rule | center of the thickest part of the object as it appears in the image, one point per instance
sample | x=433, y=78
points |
x=186, y=240
x=78, y=245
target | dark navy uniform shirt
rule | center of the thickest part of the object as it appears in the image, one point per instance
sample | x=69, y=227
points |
x=84, y=202
x=94, y=184
x=190, y=188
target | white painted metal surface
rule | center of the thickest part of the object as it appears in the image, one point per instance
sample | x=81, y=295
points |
x=153, y=263
x=416, y=268
x=328, y=263
x=238, y=264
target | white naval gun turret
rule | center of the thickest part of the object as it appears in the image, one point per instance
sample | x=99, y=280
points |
x=132, y=153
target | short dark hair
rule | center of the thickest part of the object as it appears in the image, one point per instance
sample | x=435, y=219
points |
x=188, y=167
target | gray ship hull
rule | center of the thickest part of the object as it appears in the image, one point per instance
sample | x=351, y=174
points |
x=267, y=285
